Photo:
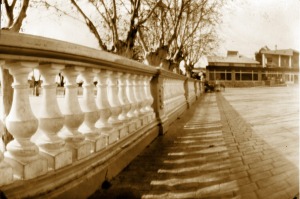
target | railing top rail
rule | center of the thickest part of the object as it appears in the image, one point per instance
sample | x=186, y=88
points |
x=164, y=73
x=17, y=46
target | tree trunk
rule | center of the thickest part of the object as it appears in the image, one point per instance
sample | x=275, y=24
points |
x=7, y=97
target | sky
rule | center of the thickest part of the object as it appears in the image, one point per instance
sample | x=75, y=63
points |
x=247, y=25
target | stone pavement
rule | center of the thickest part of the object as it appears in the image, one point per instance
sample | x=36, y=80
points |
x=211, y=152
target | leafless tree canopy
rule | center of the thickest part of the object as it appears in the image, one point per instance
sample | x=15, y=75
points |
x=157, y=32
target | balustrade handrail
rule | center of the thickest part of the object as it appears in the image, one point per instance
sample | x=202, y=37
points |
x=134, y=103
x=16, y=46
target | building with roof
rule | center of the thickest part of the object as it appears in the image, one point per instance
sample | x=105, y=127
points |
x=280, y=64
x=234, y=70
x=269, y=68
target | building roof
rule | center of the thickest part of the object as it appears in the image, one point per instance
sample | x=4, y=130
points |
x=231, y=60
x=287, y=52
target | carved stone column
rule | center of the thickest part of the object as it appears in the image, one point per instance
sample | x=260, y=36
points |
x=73, y=116
x=51, y=121
x=116, y=107
x=125, y=105
x=133, y=113
x=138, y=99
x=142, y=96
x=6, y=172
x=91, y=112
x=104, y=109
x=149, y=98
x=22, y=154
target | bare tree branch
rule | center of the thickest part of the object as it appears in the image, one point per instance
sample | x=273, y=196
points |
x=22, y=14
x=90, y=25
x=142, y=41
x=142, y=21
x=177, y=24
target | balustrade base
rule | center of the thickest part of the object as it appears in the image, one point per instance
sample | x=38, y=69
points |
x=6, y=174
x=58, y=160
x=27, y=169
x=131, y=127
x=145, y=120
x=123, y=131
x=80, y=151
x=113, y=136
x=150, y=117
x=138, y=123
x=99, y=143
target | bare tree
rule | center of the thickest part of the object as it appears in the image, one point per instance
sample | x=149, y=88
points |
x=15, y=14
x=180, y=31
x=121, y=21
x=164, y=28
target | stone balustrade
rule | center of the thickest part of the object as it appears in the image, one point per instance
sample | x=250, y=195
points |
x=69, y=141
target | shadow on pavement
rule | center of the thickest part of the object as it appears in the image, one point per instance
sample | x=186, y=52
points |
x=210, y=153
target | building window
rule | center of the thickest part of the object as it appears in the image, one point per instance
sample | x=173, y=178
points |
x=255, y=76
x=211, y=75
x=223, y=75
x=220, y=76
x=247, y=75
x=237, y=76
x=228, y=76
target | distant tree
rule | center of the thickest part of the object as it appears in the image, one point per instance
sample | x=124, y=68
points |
x=14, y=15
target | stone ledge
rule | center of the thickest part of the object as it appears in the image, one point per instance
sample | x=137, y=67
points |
x=17, y=46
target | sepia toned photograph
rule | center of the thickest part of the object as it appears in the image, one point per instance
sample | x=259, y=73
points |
x=149, y=99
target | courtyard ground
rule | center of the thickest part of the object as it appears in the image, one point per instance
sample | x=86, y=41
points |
x=241, y=143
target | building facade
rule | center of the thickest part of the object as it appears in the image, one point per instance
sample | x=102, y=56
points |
x=270, y=68
x=280, y=64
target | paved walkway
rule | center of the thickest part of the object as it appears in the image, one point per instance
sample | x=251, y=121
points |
x=211, y=152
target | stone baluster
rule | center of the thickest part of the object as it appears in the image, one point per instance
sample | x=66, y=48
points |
x=149, y=98
x=6, y=172
x=91, y=112
x=132, y=114
x=113, y=99
x=73, y=116
x=51, y=121
x=104, y=109
x=22, y=154
x=136, y=94
x=124, y=102
x=116, y=107
x=142, y=93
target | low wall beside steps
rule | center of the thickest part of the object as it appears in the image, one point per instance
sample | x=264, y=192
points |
x=64, y=142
